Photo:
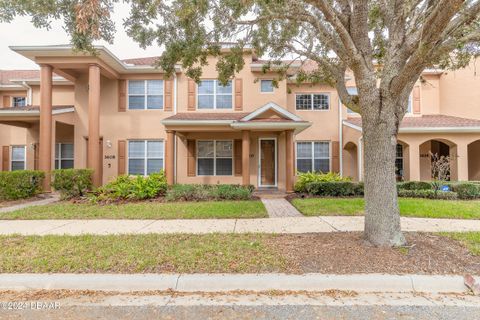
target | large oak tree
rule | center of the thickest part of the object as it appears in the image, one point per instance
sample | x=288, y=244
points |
x=386, y=44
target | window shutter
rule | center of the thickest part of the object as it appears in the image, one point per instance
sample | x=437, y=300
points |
x=191, y=159
x=5, y=158
x=191, y=95
x=335, y=156
x=122, y=95
x=122, y=151
x=237, y=149
x=416, y=99
x=168, y=95
x=6, y=102
x=238, y=94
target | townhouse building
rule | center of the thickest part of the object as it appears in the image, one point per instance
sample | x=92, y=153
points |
x=126, y=117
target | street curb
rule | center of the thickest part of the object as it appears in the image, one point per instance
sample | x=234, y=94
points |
x=235, y=282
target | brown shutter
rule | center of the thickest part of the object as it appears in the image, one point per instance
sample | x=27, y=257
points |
x=5, y=158
x=416, y=99
x=237, y=149
x=122, y=95
x=238, y=94
x=191, y=157
x=191, y=95
x=168, y=95
x=335, y=156
x=122, y=151
x=6, y=101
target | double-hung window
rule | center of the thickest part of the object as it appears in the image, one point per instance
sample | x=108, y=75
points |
x=212, y=95
x=214, y=157
x=19, y=101
x=19, y=158
x=145, y=94
x=312, y=101
x=313, y=156
x=399, y=161
x=64, y=156
x=145, y=157
x=266, y=86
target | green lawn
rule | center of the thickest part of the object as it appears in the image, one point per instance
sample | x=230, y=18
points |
x=143, y=210
x=152, y=253
x=469, y=239
x=424, y=208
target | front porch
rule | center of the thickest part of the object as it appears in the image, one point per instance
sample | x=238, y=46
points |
x=234, y=148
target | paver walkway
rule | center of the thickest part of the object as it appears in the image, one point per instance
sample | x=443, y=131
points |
x=265, y=225
x=280, y=208
x=50, y=199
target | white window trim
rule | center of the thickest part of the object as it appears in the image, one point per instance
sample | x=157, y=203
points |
x=214, y=158
x=267, y=92
x=145, y=95
x=24, y=156
x=259, y=173
x=214, y=94
x=59, y=159
x=312, y=144
x=311, y=106
x=145, y=158
x=402, y=157
x=13, y=101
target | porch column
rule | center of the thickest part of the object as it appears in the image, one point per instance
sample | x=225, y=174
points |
x=462, y=162
x=45, y=143
x=414, y=162
x=170, y=155
x=289, y=161
x=93, y=160
x=245, y=158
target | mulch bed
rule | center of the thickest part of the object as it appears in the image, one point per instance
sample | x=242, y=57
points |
x=342, y=253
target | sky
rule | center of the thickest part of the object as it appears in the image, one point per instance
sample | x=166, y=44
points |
x=21, y=32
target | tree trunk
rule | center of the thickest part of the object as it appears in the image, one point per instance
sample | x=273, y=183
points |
x=382, y=215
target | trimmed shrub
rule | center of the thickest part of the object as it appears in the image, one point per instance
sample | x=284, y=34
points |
x=304, y=179
x=72, y=183
x=198, y=192
x=335, y=189
x=427, y=194
x=467, y=191
x=20, y=184
x=132, y=188
x=414, y=185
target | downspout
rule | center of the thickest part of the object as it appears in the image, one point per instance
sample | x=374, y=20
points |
x=176, y=138
x=340, y=134
x=29, y=92
x=360, y=158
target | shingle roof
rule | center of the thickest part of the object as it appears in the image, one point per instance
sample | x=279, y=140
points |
x=147, y=61
x=428, y=121
x=7, y=75
x=208, y=116
x=33, y=108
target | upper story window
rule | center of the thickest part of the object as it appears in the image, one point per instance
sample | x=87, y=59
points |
x=212, y=95
x=266, y=86
x=19, y=101
x=145, y=157
x=19, y=158
x=145, y=94
x=313, y=156
x=312, y=101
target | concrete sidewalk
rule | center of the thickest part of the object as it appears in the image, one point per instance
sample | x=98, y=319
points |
x=310, y=282
x=50, y=198
x=267, y=225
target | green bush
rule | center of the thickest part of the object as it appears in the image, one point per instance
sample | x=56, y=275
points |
x=467, y=191
x=304, y=179
x=428, y=194
x=198, y=192
x=133, y=188
x=335, y=189
x=72, y=183
x=414, y=185
x=20, y=184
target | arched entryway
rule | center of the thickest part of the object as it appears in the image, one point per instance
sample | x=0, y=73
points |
x=350, y=161
x=439, y=147
x=474, y=161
